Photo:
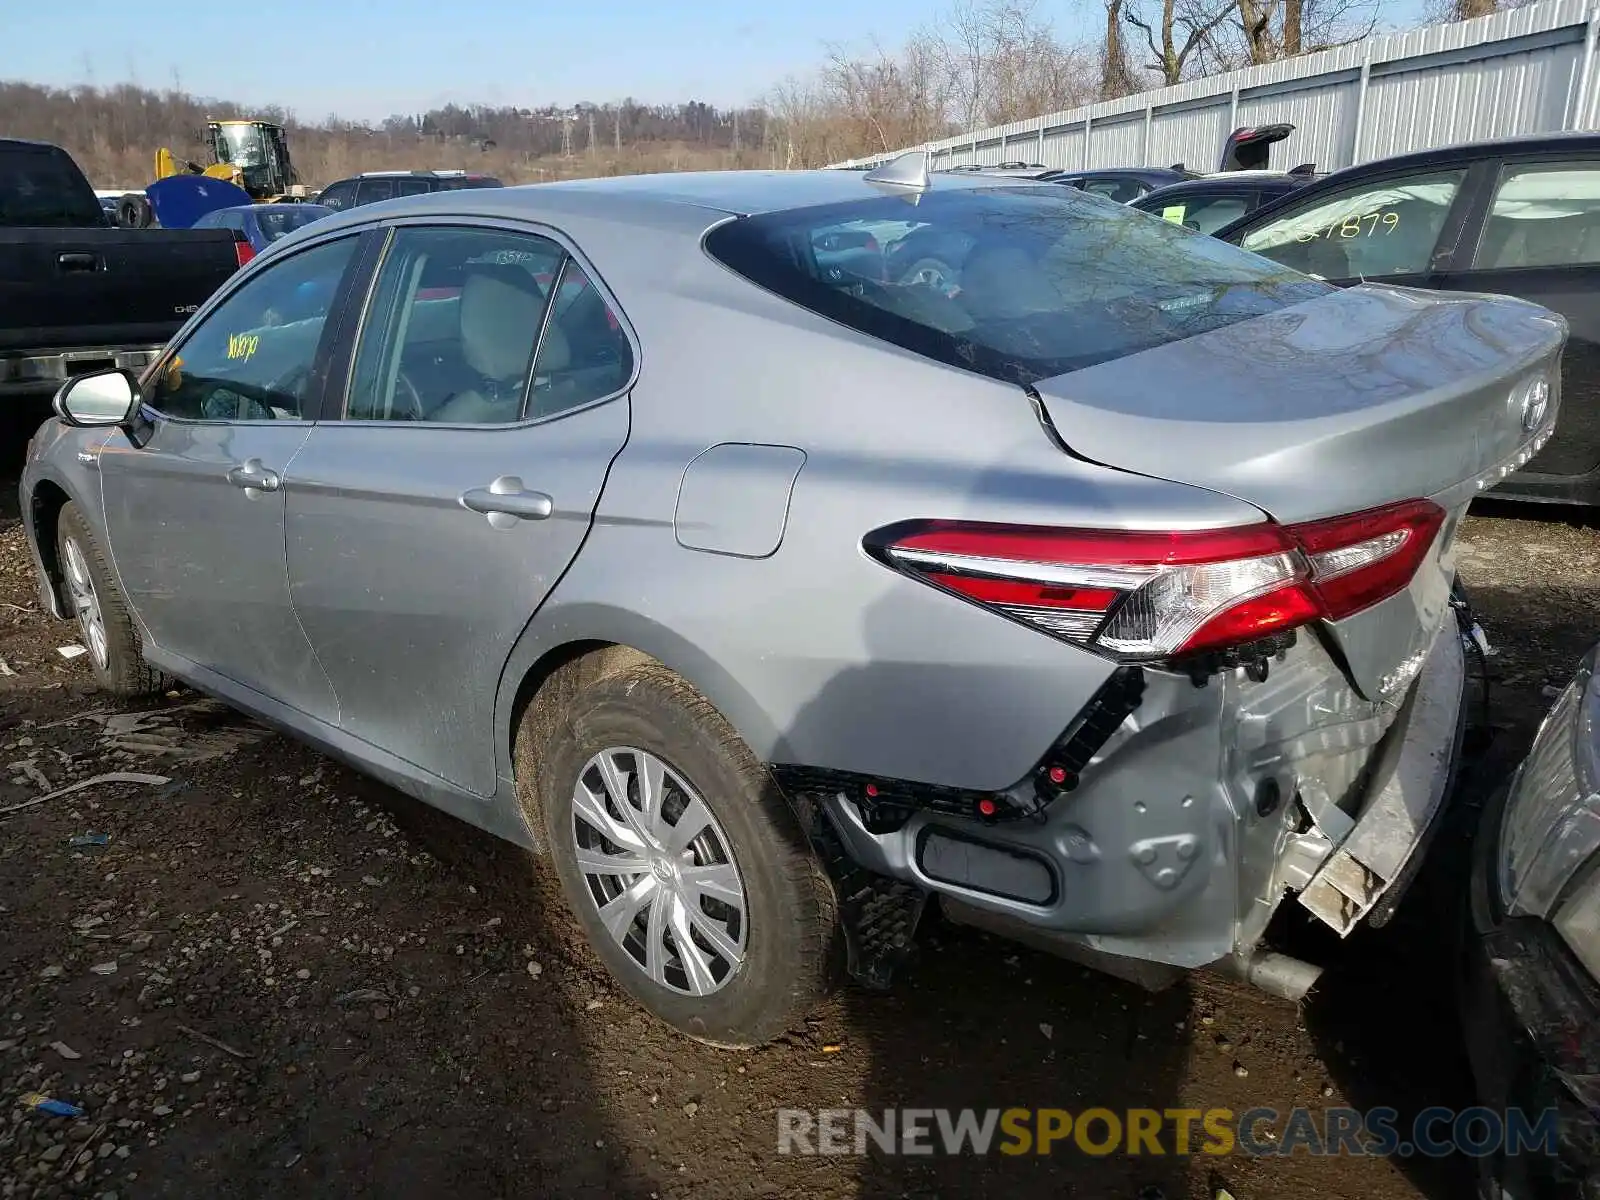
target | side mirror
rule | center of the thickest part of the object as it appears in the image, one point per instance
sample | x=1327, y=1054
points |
x=105, y=398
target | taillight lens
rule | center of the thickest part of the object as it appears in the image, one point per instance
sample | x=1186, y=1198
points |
x=243, y=251
x=1366, y=557
x=1147, y=595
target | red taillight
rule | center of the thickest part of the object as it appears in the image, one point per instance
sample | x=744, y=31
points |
x=1366, y=557
x=1152, y=595
x=243, y=251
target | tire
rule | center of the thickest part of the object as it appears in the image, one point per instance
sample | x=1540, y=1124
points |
x=785, y=933
x=116, y=657
x=134, y=212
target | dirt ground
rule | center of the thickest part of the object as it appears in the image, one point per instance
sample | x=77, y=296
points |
x=279, y=979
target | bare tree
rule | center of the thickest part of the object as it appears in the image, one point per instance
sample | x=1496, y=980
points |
x=1116, y=72
x=1182, y=29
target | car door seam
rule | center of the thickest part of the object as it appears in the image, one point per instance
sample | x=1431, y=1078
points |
x=288, y=580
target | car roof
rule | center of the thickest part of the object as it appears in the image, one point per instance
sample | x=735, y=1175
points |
x=1121, y=172
x=1525, y=144
x=1273, y=181
x=740, y=193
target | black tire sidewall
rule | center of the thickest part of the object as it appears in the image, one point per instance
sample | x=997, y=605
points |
x=643, y=709
x=125, y=672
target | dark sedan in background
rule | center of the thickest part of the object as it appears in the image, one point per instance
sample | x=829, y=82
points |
x=263, y=224
x=1212, y=202
x=1519, y=217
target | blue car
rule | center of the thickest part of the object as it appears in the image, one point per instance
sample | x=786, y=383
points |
x=263, y=224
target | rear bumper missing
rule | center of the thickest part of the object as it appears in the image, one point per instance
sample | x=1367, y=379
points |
x=1377, y=855
x=1200, y=814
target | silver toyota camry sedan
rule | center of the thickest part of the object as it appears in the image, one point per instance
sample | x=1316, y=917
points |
x=774, y=552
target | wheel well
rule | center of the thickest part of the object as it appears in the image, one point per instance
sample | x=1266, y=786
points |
x=541, y=700
x=45, y=512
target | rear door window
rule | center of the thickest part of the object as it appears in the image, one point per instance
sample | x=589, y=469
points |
x=1366, y=231
x=1544, y=215
x=369, y=191
x=1018, y=283
x=415, y=187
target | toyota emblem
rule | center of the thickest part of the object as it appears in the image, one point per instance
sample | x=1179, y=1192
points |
x=1535, y=403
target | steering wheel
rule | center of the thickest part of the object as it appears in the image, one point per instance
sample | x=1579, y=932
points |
x=406, y=404
x=931, y=272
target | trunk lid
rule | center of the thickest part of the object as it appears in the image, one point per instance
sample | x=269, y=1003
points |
x=1359, y=398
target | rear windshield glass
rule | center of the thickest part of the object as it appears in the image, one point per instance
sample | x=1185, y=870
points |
x=286, y=218
x=1018, y=283
x=41, y=187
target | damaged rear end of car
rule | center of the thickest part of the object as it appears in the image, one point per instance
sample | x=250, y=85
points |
x=1280, y=706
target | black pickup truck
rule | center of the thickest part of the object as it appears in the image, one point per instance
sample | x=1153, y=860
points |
x=78, y=294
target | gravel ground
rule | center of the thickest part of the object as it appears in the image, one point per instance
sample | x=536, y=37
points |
x=278, y=978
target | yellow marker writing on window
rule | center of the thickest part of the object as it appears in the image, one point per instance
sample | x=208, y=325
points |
x=243, y=345
x=1174, y=213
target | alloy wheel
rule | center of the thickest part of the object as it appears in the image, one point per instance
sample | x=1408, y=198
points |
x=80, y=586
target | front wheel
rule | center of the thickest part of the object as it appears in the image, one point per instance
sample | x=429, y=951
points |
x=107, y=628
x=683, y=862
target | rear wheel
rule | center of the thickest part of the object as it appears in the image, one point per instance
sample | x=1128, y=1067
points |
x=683, y=862
x=104, y=623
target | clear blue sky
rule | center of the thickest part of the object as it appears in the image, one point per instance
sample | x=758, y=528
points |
x=366, y=59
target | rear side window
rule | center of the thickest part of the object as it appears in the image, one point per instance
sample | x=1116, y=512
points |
x=415, y=187
x=1015, y=283
x=1543, y=216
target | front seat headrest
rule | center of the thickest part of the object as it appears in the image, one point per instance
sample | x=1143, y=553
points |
x=500, y=307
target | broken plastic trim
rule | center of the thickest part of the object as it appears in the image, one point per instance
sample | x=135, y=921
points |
x=887, y=804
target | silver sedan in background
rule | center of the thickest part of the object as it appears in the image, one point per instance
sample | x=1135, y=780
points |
x=773, y=552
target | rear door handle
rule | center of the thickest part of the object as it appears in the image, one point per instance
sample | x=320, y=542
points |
x=507, y=500
x=253, y=477
x=77, y=260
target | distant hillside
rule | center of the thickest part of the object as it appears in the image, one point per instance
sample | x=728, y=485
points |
x=114, y=134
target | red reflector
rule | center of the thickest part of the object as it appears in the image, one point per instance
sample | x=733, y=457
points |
x=1024, y=592
x=987, y=807
x=1058, y=774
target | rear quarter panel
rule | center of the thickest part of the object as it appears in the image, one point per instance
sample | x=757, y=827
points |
x=816, y=653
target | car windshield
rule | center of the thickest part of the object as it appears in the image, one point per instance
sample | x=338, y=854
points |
x=1017, y=283
x=283, y=219
x=243, y=144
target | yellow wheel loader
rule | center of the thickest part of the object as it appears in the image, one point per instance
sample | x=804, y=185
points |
x=251, y=155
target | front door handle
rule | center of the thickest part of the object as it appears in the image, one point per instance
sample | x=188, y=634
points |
x=253, y=477
x=506, y=501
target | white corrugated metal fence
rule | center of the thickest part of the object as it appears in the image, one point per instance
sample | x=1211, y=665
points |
x=1530, y=70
